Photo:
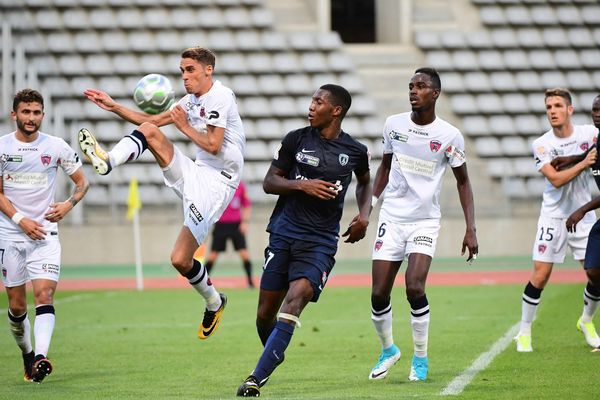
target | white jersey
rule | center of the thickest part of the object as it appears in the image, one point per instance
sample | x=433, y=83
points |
x=28, y=176
x=420, y=157
x=561, y=202
x=218, y=107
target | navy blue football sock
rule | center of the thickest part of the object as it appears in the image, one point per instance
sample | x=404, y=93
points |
x=273, y=353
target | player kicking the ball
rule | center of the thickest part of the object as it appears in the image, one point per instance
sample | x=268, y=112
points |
x=417, y=148
x=209, y=117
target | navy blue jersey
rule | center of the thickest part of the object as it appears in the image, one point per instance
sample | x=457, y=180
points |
x=304, y=154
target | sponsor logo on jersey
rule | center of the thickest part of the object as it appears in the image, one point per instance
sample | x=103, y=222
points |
x=213, y=115
x=306, y=159
x=27, y=149
x=568, y=144
x=542, y=248
x=307, y=151
x=415, y=165
x=423, y=241
x=343, y=158
x=453, y=152
x=435, y=145
x=195, y=215
x=276, y=154
x=378, y=244
x=51, y=268
x=541, y=150
x=45, y=159
x=584, y=146
x=398, y=136
x=324, y=277
x=11, y=158
x=26, y=179
x=418, y=132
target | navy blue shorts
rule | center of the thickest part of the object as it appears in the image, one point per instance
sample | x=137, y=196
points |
x=288, y=259
x=592, y=252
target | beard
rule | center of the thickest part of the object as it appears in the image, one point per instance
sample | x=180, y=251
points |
x=27, y=129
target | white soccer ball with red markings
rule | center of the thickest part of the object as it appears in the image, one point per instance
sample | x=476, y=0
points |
x=154, y=94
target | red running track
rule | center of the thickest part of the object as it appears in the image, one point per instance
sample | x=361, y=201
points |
x=344, y=280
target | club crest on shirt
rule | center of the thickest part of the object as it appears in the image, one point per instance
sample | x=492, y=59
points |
x=202, y=112
x=343, y=158
x=435, y=145
x=45, y=159
x=542, y=248
x=307, y=159
x=4, y=272
x=378, y=244
x=584, y=146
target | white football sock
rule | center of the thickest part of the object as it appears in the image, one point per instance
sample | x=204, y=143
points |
x=21, y=331
x=382, y=320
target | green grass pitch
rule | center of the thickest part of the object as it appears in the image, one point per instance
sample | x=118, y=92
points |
x=132, y=345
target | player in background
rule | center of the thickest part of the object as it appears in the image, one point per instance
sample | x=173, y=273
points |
x=233, y=225
x=418, y=146
x=591, y=294
x=310, y=172
x=208, y=116
x=566, y=191
x=29, y=244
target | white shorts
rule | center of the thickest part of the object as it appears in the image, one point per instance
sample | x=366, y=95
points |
x=395, y=241
x=22, y=261
x=205, y=193
x=552, y=238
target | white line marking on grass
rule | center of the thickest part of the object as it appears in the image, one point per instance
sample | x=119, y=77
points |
x=459, y=383
x=70, y=299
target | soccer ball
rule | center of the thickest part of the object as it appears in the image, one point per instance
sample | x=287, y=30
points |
x=154, y=94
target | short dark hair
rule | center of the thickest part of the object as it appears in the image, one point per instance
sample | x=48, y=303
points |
x=202, y=55
x=339, y=97
x=559, y=92
x=27, y=96
x=433, y=75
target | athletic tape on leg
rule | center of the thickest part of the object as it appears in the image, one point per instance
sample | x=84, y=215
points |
x=290, y=317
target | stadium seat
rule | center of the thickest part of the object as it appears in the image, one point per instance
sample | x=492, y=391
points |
x=259, y=63
x=313, y=62
x=463, y=104
x=499, y=167
x=428, y=40
x=525, y=166
x=475, y=125
x=283, y=106
x=488, y=147
x=33, y=43
x=528, y=81
x=489, y=103
x=440, y=59
x=515, y=188
x=476, y=82
x=530, y=38
x=70, y=108
x=353, y=83
x=273, y=41
x=453, y=40
x=114, y=41
x=271, y=84
x=233, y=63
x=329, y=41
x=363, y=105
x=210, y=18
x=192, y=37
x=515, y=103
x=168, y=40
x=87, y=42
x=591, y=14
x=301, y=41
x=514, y=146
x=255, y=107
x=183, y=18
x=75, y=18
x=581, y=37
x=528, y=125
x=492, y=15
x=152, y=63
x=81, y=83
x=555, y=37
x=245, y=85
x=248, y=40
x=590, y=58
x=518, y=15
x=503, y=81
x=286, y=63
x=465, y=60
x=57, y=86
x=60, y=42
x=569, y=15
x=48, y=19
x=480, y=40
x=141, y=41
x=221, y=40
x=542, y=59
x=502, y=125
x=269, y=128
x=544, y=15
x=490, y=60
x=552, y=79
x=535, y=186
x=237, y=18
x=504, y=38
x=319, y=80
x=261, y=18
x=99, y=64
x=126, y=64
x=516, y=60
x=298, y=84
x=72, y=64
x=452, y=82
x=353, y=126
x=291, y=124
x=130, y=18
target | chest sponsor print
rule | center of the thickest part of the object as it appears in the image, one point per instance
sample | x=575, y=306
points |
x=307, y=159
x=415, y=165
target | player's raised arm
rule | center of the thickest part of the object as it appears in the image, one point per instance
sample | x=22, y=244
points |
x=210, y=140
x=104, y=101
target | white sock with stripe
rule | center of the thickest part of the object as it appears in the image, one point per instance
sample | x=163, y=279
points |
x=21, y=331
x=382, y=320
x=43, y=328
x=129, y=148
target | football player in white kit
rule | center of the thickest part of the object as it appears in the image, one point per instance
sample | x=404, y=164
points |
x=566, y=190
x=209, y=117
x=29, y=245
x=417, y=148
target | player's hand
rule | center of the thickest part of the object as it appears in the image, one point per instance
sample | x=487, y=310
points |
x=356, y=230
x=58, y=211
x=574, y=219
x=179, y=117
x=317, y=188
x=591, y=157
x=101, y=99
x=243, y=228
x=32, y=229
x=563, y=162
x=470, y=242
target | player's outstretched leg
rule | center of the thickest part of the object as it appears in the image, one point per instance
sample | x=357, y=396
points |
x=92, y=150
x=419, y=369
x=249, y=388
x=211, y=319
x=42, y=367
x=387, y=359
x=589, y=332
x=28, y=360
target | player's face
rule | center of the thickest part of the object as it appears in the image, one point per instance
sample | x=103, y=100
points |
x=197, y=78
x=596, y=112
x=28, y=117
x=321, y=112
x=558, y=111
x=421, y=93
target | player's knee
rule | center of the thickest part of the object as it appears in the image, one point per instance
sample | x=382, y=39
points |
x=594, y=276
x=379, y=301
x=44, y=296
x=180, y=263
x=17, y=308
x=414, y=291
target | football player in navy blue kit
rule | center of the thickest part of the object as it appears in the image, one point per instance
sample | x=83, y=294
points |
x=310, y=172
x=591, y=294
